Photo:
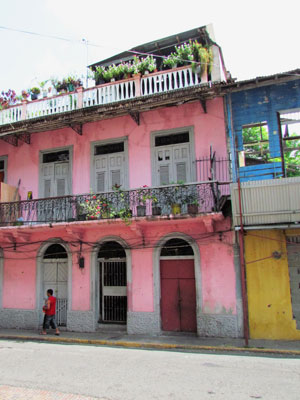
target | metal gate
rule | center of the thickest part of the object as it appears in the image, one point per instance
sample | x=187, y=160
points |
x=113, y=290
x=56, y=278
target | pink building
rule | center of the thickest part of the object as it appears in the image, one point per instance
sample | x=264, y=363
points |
x=117, y=213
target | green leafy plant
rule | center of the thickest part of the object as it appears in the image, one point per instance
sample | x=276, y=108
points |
x=96, y=207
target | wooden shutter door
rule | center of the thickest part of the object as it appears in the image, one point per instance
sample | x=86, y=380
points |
x=181, y=156
x=116, y=170
x=101, y=184
x=48, y=180
x=61, y=179
x=164, y=159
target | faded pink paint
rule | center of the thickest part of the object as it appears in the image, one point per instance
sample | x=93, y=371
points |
x=217, y=263
x=218, y=276
x=142, y=280
x=217, y=268
x=81, y=283
x=209, y=129
x=19, y=281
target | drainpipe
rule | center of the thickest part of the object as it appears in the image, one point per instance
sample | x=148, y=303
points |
x=243, y=270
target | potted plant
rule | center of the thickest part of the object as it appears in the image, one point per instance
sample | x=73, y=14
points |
x=43, y=87
x=24, y=94
x=95, y=207
x=142, y=196
x=170, y=62
x=173, y=198
x=191, y=199
x=121, y=204
x=34, y=92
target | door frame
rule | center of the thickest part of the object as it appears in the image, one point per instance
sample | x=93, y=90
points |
x=54, y=150
x=40, y=273
x=94, y=275
x=156, y=273
x=154, y=134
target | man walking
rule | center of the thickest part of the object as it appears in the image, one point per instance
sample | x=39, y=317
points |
x=50, y=309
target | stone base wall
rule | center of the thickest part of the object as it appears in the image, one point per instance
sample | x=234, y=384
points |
x=143, y=323
x=81, y=321
x=218, y=325
x=19, y=319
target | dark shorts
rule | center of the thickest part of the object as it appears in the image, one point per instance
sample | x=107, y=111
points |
x=49, y=320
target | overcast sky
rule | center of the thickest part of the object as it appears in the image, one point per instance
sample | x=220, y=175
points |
x=257, y=37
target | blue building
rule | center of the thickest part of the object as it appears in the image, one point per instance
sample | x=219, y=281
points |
x=270, y=105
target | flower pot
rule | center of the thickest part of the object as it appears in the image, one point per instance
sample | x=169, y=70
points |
x=81, y=217
x=141, y=211
x=156, y=210
x=33, y=96
x=113, y=79
x=192, y=209
x=176, y=209
x=71, y=87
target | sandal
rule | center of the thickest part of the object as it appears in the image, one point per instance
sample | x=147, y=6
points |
x=42, y=333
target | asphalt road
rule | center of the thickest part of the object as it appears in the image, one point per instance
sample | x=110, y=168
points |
x=123, y=374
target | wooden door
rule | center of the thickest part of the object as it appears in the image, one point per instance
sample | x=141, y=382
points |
x=56, y=278
x=178, y=295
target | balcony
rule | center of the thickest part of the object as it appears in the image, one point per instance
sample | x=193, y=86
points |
x=267, y=202
x=175, y=200
x=133, y=88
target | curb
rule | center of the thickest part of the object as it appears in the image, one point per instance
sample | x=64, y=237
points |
x=150, y=345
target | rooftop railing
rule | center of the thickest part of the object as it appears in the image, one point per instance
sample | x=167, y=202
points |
x=193, y=198
x=137, y=86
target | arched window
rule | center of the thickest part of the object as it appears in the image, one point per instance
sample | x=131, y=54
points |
x=55, y=250
x=176, y=247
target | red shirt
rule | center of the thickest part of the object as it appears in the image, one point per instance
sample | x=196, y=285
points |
x=52, y=309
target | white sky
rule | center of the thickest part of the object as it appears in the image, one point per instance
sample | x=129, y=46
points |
x=257, y=37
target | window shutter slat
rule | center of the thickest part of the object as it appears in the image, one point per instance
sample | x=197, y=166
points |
x=115, y=178
x=61, y=183
x=164, y=175
x=100, y=181
x=181, y=171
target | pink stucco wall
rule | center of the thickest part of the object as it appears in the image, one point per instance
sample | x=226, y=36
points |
x=216, y=262
x=142, y=280
x=209, y=129
x=217, y=268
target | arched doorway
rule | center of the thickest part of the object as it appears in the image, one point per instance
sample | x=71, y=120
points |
x=112, y=283
x=55, y=277
x=178, y=288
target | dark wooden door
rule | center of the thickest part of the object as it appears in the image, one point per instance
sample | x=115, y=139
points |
x=178, y=295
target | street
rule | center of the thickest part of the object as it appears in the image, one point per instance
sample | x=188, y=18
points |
x=27, y=370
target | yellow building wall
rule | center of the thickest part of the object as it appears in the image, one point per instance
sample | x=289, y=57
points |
x=268, y=285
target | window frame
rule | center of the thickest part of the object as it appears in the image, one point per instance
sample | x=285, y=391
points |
x=54, y=150
x=4, y=158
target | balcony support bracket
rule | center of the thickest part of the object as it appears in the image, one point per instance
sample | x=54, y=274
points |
x=136, y=117
x=11, y=139
x=77, y=128
x=25, y=137
x=203, y=104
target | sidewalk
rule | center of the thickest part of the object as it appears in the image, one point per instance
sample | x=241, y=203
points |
x=181, y=341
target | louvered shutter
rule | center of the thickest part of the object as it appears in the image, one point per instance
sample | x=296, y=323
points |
x=101, y=170
x=116, y=168
x=61, y=179
x=164, y=177
x=47, y=171
x=100, y=182
x=181, y=172
x=115, y=178
x=47, y=188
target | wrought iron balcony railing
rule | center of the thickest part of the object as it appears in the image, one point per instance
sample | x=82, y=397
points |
x=193, y=198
